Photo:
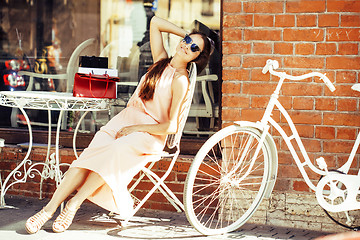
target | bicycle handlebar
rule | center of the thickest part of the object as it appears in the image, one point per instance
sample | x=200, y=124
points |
x=273, y=64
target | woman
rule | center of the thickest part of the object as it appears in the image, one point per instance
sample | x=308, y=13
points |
x=133, y=137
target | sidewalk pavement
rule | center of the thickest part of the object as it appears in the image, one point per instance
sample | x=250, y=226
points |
x=92, y=223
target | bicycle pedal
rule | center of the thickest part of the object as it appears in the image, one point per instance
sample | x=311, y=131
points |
x=321, y=163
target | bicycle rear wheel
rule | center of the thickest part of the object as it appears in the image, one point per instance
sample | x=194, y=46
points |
x=226, y=183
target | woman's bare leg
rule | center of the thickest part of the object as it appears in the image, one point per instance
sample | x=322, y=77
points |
x=92, y=183
x=73, y=179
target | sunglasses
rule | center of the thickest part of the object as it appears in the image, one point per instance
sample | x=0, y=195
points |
x=194, y=47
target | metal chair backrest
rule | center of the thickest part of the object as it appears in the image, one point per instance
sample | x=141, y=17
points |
x=73, y=64
x=173, y=140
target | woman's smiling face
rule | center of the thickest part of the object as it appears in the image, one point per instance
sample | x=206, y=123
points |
x=184, y=49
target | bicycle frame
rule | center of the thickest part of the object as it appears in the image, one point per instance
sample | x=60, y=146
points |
x=268, y=120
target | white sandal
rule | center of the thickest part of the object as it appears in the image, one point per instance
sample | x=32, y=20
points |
x=64, y=220
x=34, y=223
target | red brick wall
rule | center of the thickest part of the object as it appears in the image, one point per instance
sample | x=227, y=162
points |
x=304, y=36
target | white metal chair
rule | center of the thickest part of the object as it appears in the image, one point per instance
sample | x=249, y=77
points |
x=72, y=67
x=173, y=143
x=205, y=107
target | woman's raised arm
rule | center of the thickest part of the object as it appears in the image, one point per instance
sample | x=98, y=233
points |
x=157, y=26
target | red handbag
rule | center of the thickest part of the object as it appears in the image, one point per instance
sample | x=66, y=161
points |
x=94, y=86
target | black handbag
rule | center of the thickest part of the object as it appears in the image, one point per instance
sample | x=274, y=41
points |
x=93, y=62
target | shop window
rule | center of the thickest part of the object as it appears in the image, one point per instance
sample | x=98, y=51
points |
x=41, y=35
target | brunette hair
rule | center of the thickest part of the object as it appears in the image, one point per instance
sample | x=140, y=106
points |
x=155, y=70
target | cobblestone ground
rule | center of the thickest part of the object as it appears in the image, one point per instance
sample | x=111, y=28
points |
x=92, y=222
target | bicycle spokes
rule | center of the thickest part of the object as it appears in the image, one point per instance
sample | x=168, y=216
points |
x=229, y=178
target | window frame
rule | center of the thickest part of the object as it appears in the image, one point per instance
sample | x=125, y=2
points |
x=189, y=145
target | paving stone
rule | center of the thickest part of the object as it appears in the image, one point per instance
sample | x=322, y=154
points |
x=92, y=223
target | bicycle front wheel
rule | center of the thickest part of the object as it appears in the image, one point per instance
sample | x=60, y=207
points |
x=227, y=180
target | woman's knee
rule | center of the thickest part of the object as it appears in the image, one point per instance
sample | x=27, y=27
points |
x=96, y=177
x=77, y=172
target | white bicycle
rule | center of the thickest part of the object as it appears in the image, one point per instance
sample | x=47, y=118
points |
x=237, y=167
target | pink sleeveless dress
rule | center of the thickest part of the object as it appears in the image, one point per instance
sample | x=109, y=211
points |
x=117, y=161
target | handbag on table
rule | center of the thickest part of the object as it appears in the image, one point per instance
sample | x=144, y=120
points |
x=93, y=62
x=95, y=86
x=99, y=71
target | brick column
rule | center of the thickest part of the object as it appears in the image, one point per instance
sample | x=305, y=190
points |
x=304, y=36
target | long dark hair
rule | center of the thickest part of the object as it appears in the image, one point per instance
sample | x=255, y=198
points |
x=156, y=70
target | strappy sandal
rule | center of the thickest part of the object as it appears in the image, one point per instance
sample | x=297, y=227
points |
x=64, y=220
x=34, y=223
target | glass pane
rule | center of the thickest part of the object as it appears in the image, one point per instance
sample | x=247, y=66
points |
x=41, y=36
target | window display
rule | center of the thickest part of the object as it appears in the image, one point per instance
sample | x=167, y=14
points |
x=41, y=35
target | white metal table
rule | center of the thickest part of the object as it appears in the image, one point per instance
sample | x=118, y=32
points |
x=50, y=101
